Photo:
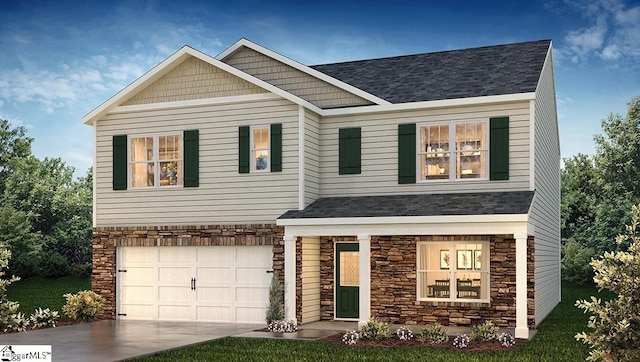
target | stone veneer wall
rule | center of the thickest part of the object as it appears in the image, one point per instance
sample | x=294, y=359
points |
x=393, y=283
x=107, y=239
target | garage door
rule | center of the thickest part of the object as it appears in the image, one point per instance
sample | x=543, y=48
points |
x=203, y=283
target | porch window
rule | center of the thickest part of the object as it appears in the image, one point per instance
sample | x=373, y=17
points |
x=455, y=271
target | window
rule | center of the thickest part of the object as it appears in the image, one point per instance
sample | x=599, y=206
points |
x=453, y=271
x=453, y=151
x=259, y=149
x=156, y=161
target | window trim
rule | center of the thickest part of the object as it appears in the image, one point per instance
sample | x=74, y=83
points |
x=452, y=160
x=156, y=160
x=252, y=163
x=453, y=270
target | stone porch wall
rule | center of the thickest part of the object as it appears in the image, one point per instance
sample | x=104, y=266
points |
x=393, y=283
x=107, y=239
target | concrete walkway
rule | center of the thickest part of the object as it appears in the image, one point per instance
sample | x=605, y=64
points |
x=115, y=340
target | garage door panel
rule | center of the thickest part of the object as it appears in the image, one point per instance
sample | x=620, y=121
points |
x=251, y=294
x=140, y=254
x=215, y=295
x=137, y=293
x=217, y=255
x=138, y=275
x=175, y=312
x=252, y=276
x=214, y=276
x=247, y=256
x=178, y=255
x=177, y=294
x=175, y=276
x=140, y=311
x=214, y=314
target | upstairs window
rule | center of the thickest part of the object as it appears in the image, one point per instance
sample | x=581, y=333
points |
x=453, y=151
x=156, y=161
x=260, y=149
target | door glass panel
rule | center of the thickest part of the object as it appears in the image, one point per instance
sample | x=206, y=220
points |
x=349, y=268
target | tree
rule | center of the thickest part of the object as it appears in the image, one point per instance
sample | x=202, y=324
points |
x=14, y=144
x=580, y=194
x=615, y=325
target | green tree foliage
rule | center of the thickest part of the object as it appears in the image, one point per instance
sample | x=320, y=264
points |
x=46, y=214
x=598, y=191
x=615, y=324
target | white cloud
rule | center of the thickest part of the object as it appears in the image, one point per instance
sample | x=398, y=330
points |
x=612, y=33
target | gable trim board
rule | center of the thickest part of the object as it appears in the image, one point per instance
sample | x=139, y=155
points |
x=303, y=68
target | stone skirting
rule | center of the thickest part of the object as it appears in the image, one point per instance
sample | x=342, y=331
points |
x=394, y=283
x=107, y=239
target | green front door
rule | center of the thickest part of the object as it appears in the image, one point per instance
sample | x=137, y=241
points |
x=347, y=280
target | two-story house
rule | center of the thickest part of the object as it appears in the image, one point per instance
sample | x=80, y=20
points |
x=417, y=189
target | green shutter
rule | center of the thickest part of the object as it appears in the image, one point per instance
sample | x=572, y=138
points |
x=276, y=147
x=243, y=149
x=349, y=151
x=120, y=162
x=191, y=158
x=499, y=148
x=407, y=153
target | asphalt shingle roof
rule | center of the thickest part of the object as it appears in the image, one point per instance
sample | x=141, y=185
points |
x=492, y=70
x=479, y=203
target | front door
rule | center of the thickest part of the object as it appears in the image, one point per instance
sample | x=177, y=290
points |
x=347, y=280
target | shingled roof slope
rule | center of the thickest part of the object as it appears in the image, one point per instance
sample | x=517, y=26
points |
x=486, y=71
x=478, y=203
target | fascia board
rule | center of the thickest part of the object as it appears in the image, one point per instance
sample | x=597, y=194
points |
x=173, y=61
x=451, y=227
x=405, y=220
x=445, y=103
x=301, y=67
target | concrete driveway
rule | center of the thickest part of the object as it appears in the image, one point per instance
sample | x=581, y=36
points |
x=115, y=340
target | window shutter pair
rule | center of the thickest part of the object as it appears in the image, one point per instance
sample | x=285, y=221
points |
x=349, y=151
x=244, y=148
x=191, y=160
x=498, y=149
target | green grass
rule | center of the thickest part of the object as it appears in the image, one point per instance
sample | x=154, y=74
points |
x=554, y=342
x=44, y=292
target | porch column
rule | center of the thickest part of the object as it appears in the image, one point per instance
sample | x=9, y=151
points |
x=364, y=248
x=522, y=328
x=289, y=277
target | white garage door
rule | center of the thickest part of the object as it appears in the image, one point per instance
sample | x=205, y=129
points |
x=203, y=283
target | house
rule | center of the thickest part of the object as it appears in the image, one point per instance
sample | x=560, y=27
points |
x=420, y=188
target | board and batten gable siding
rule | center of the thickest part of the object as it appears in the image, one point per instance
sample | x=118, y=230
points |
x=193, y=79
x=379, y=171
x=545, y=209
x=312, y=157
x=224, y=196
x=294, y=81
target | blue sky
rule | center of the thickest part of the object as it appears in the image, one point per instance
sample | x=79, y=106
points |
x=60, y=59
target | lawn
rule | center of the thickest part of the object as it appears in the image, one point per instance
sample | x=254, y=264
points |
x=554, y=342
x=44, y=292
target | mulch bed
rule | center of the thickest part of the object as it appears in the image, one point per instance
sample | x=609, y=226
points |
x=59, y=323
x=414, y=342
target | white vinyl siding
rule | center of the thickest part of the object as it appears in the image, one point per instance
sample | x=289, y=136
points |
x=545, y=210
x=224, y=195
x=380, y=151
x=310, y=279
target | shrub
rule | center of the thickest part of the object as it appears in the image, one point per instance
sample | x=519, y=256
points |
x=461, y=341
x=404, y=333
x=54, y=265
x=10, y=319
x=485, y=332
x=616, y=323
x=375, y=329
x=282, y=326
x=433, y=334
x=275, y=308
x=43, y=318
x=350, y=337
x=85, y=305
x=575, y=262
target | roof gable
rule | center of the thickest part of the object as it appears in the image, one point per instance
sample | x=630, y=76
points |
x=475, y=72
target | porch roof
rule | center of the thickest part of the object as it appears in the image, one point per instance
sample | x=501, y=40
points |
x=477, y=203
